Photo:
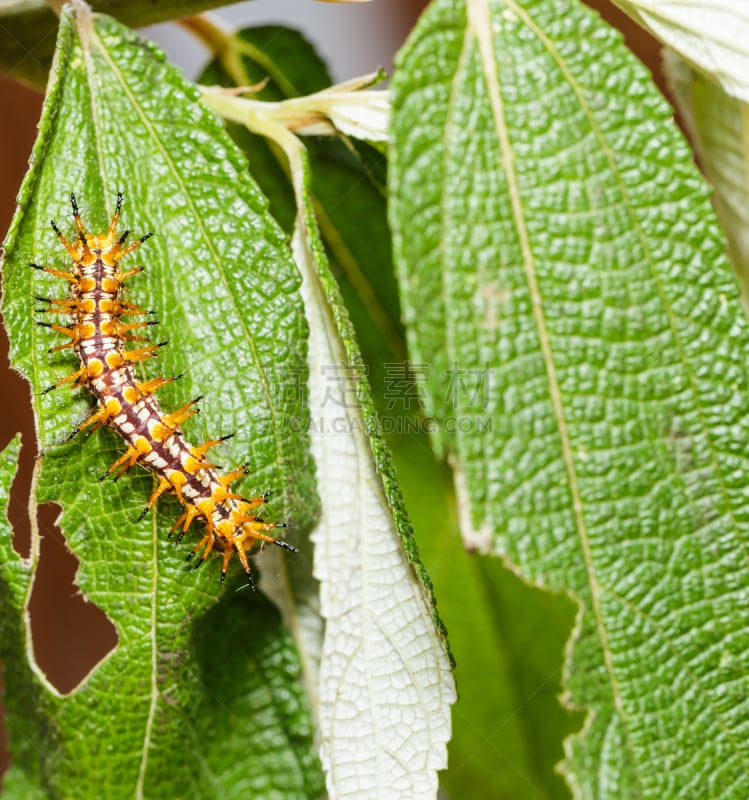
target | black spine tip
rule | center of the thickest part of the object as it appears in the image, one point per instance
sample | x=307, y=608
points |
x=152, y=322
x=286, y=546
x=250, y=582
x=43, y=324
x=124, y=236
x=178, y=377
x=120, y=196
x=74, y=204
x=142, y=515
x=223, y=576
x=72, y=435
x=163, y=344
x=38, y=296
x=35, y=266
x=49, y=389
x=190, y=555
x=227, y=437
x=54, y=227
x=103, y=477
x=282, y=524
x=146, y=236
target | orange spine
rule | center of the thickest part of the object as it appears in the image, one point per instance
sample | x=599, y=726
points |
x=98, y=335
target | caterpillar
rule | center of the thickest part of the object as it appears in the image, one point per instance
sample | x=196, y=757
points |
x=98, y=336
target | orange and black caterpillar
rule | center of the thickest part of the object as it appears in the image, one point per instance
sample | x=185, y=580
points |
x=154, y=440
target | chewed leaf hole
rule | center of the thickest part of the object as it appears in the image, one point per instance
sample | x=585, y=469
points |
x=70, y=634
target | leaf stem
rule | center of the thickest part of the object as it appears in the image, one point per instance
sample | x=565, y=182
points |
x=338, y=109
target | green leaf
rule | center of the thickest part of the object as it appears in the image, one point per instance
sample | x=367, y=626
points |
x=385, y=675
x=290, y=67
x=348, y=188
x=498, y=625
x=29, y=27
x=200, y=698
x=508, y=640
x=22, y=689
x=563, y=275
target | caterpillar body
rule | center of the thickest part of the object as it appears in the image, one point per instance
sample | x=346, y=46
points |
x=98, y=335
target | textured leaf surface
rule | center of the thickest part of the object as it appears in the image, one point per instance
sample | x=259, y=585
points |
x=507, y=733
x=508, y=640
x=385, y=680
x=711, y=34
x=562, y=276
x=199, y=698
x=348, y=192
x=385, y=676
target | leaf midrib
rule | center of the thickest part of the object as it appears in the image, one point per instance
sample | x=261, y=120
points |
x=480, y=22
x=479, y=26
x=246, y=333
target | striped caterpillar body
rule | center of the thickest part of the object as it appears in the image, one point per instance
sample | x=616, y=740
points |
x=98, y=336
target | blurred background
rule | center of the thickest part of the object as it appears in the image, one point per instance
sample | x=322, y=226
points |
x=71, y=636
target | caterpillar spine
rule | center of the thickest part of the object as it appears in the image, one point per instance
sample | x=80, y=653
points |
x=98, y=336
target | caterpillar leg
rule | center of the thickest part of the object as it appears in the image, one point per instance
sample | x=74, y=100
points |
x=74, y=333
x=128, y=459
x=122, y=330
x=58, y=273
x=73, y=251
x=184, y=522
x=140, y=390
x=255, y=530
x=244, y=561
x=206, y=544
x=142, y=353
x=229, y=551
x=75, y=378
x=129, y=309
x=106, y=412
x=238, y=547
x=169, y=423
x=58, y=306
x=176, y=418
x=198, y=453
x=162, y=486
x=129, y=249
x=152, y=386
